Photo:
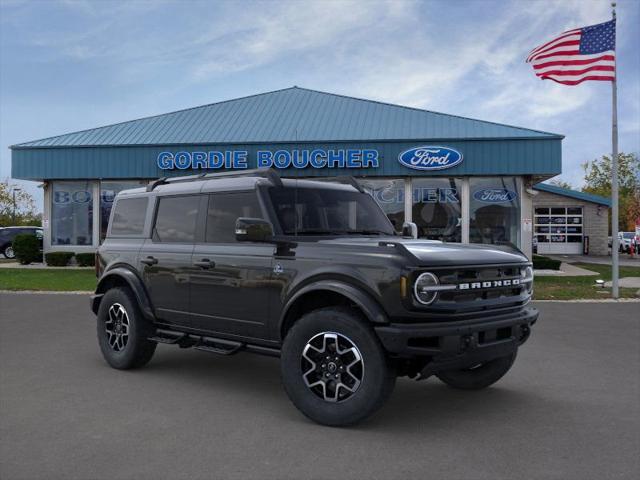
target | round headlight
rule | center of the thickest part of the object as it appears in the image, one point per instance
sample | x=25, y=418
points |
x=424, y=290
x=527, y=277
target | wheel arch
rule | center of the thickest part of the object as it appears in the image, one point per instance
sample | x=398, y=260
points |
x=123, y=277
x=326, y=293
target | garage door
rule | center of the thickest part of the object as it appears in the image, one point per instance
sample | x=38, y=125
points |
x=558, y=229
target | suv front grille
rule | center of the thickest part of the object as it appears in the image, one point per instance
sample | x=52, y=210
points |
x=479, y=291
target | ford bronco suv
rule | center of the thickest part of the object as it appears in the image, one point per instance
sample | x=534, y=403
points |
x=312, y=272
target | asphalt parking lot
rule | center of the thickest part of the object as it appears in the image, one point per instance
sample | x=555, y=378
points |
x=568, y=409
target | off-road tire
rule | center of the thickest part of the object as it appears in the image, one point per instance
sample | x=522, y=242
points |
x=377, y=380
x=480, y=376
x=138, y=350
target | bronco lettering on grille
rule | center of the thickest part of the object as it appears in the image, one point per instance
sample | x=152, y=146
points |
x=513, y=282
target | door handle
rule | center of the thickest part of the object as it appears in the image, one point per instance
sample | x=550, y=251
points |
x=149, y=260
x=204, y=263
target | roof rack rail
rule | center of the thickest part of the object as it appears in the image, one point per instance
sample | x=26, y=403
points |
x=268, y=173
x=353, y=182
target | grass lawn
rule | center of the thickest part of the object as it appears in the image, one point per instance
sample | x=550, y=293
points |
x=47, y=279
x=569, y=288
x=545, y=288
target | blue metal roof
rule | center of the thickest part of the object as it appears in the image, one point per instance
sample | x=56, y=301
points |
x=291, y=115
x=565, y=192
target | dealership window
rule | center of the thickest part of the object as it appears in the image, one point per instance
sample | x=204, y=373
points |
x=108, y=192
x=494, y=211
x=72, y=213
x=436, y=209
x=389, y=194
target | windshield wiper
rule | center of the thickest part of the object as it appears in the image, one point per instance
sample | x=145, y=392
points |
x=367, y=232
x=320, y=231
x=314, y=231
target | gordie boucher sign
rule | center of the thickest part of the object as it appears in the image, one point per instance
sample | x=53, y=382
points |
x=418, y=158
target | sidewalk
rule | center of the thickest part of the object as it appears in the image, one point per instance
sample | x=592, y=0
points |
x=566, y=270
x=624, y=259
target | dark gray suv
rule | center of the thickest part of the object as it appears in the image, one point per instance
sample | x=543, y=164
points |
x=314, y=273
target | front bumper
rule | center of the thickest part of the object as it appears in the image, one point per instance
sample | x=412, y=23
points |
x=448, y=345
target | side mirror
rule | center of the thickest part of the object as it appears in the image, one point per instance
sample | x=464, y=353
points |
x=253, y=230
x=409, y=229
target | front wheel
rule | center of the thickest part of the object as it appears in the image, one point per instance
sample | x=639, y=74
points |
x=334, y=369
x=479, y=376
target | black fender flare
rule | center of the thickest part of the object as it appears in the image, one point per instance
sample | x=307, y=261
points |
x=369, y=306
x=135, y=284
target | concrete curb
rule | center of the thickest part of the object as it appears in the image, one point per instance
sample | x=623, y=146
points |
x=591, y=300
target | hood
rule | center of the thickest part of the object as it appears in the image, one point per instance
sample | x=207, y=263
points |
x=435, y=253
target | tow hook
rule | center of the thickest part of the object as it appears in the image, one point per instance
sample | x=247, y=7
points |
x=525, y=331
x=469, y=342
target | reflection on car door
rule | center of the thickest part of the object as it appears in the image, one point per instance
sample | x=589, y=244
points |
x=166, y=257
x=231, y=280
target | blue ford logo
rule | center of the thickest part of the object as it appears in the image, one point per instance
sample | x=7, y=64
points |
x=495, y=195
x=430, y=158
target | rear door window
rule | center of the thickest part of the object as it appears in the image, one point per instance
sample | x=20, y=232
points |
x=224, y=209
x=128, y=216
x=176, y=219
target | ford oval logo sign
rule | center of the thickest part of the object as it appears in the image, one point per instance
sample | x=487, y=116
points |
x=430, y=158
x=495, y=195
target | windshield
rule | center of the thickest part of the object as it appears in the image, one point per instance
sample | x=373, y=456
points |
x=628, y=234
x=323, y=211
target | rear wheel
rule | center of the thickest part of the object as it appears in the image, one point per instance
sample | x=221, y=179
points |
x=123, y=332
x=479, y=376
x=334, y=369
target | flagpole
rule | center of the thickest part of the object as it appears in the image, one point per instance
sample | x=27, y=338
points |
x=614, y=177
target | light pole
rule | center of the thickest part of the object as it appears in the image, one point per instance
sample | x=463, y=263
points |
x=15, y=189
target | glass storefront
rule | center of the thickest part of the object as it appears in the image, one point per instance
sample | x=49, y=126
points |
x=72, y=213
x=389, y=193
x=437, y=208
x=108, y=192
x=494, y=211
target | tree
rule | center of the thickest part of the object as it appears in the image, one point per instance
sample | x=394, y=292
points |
x=25, y=207
x=597, y=179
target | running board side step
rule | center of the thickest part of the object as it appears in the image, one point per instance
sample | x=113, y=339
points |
x=220, y=346
x=217, y=345
x=168, y=336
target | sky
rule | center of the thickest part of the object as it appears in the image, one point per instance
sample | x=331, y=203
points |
x=72, y=65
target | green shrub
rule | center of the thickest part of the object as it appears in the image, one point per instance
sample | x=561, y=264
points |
x=58, y=259
x=86, y=259
x=27, y=248
x=545, y=263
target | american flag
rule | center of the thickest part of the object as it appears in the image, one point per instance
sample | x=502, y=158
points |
x=587, y=53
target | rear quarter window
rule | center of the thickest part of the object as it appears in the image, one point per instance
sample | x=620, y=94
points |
x=128, y=216
x=176, y=219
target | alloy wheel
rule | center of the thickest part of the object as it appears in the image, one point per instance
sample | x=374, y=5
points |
x=333, y=366
x=9, y=253
x=117, y=327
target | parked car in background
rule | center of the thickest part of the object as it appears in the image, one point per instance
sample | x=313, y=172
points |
x=7, y=234
x=625, y=240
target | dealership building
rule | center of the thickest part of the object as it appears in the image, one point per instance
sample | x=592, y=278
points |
x=458, y=179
